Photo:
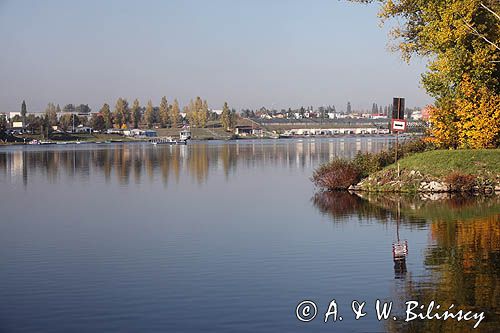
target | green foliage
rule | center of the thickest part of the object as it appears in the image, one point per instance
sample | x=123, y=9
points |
x=67, y=120
x=33, y=123
x=3, y=124
x=203, y=114
x=233, y=118
x=163, y=112
x=51, y=115
x=23, y=110
x=174, y=113
x=69, y=108
x=368, y=163
x=364, y=164
x=83, y=108
x=149, y=116
x=122, y=113
x=457, y=36
x=106, y=114
x=197, y=112
x=461, y=40
x=97, y=122
x=440, y=163
x=136, y=113
x=226, y=117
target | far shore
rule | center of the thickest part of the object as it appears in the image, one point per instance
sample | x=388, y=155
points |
x=100, y=138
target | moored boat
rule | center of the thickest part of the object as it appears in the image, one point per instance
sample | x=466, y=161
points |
x=167, y=141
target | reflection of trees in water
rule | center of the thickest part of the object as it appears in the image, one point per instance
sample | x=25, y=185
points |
x=382, y=208
x=462, y=261
x=341, y=204
x=464, y=269
x=198, y=161
x=138, y=165
x=228, y=158
x=137, y=160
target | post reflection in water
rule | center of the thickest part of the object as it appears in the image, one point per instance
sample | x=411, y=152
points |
x=461, y=261
x=129, y=162
x=399, y=249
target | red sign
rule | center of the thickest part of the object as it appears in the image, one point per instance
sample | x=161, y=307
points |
x=398, y=125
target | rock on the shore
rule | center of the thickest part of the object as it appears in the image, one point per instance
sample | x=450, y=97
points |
x=435, y=186
x=413, y=181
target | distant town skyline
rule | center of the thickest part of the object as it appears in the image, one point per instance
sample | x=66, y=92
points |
x=251, y=54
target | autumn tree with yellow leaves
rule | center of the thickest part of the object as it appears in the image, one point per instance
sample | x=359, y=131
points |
x=198, y=112
x=163, y=112
x=461, y=40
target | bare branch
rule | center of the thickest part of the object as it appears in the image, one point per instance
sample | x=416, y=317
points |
x=491, y=11
x=482, y=36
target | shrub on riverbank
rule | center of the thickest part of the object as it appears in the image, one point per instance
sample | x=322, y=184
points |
x=368, y=163
x=459, y=182
x=338, y=174
x=464, y=171
x=422, y=169
x=341, y=173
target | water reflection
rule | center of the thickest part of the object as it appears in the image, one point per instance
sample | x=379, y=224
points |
x=461, y=261
x=132, y=162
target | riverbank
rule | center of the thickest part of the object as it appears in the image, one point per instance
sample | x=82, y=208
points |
x=421, y=168
x=198, y=134
x=67, y=138
x=473, y=171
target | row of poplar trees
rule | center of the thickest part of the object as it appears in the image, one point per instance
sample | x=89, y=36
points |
x=167, y=115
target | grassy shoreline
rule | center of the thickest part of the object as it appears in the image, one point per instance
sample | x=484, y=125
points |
x=473, y=171
x=422, y=168
x=442, y=162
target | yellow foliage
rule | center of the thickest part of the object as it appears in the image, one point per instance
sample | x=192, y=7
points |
x=472, y=120
x=479, y=113
x=443, y=130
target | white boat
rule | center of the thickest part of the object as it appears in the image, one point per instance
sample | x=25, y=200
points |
x=167, y=141
x=38, y=142
x=185, y=135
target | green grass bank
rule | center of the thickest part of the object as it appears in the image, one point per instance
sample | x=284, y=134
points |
x=466, y=171
x=421, y=168
x=440, y=163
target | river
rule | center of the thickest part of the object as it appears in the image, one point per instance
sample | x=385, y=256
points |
x=229, y=237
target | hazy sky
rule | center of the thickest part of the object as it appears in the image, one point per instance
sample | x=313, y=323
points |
x=251, y=53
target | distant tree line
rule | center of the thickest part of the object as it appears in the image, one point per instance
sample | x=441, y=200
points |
x=123, y=116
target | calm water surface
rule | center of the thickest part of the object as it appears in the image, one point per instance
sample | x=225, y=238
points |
x=227, y=237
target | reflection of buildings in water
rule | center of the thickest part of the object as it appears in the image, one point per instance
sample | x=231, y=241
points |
x=299, y=148
x=17, y=164
x=123, y=161
x=331, y=151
